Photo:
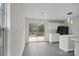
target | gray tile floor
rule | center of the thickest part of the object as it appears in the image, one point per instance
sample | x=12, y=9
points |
x=44, y=49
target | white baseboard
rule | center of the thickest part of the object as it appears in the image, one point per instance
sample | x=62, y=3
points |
x=37, y=41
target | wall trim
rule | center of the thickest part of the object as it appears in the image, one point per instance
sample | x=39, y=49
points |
x=22, y=50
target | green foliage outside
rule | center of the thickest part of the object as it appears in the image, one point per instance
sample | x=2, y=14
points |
x=36, y=30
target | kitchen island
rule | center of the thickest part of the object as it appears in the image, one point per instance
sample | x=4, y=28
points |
x=76, y=46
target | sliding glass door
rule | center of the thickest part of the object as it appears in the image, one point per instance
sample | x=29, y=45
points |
x=36, y=32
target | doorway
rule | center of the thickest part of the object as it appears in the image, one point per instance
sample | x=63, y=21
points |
x=36, y=32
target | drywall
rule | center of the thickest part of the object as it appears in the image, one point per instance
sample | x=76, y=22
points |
x=74, y=27
x=54, y=25
x=54, y=11
x=17, y=30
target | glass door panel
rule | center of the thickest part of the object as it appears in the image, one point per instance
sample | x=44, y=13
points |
x=36, y=32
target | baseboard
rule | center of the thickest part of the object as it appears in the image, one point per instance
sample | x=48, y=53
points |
x=36, y=41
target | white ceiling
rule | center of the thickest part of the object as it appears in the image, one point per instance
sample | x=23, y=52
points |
x=50, y=11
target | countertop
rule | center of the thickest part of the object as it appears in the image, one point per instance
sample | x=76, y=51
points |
x=75, y=39
x=70, y=36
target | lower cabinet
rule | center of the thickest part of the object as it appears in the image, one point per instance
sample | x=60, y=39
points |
x=65, y=43
x=53, y=37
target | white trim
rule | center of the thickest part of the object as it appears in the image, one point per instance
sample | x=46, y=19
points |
x=38, y=41
x=22, y=50
x=7, y=43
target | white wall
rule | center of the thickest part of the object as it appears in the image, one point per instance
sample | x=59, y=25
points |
x=75, y=26
x=17, y=30
x=49, y=11
x=54, y=25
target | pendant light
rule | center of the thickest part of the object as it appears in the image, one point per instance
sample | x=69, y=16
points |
x=69, y=21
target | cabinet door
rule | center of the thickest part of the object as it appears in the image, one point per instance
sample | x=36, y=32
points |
x=76, y=48
x=55, y=37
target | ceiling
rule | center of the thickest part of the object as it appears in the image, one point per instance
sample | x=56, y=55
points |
x=54, y=11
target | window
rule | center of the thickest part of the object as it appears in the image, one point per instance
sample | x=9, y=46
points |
x=2, y=14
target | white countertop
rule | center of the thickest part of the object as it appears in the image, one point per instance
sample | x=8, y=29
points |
x=75, y=39
x=70, y=36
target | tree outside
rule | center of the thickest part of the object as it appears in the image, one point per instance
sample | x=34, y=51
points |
x=36, y=30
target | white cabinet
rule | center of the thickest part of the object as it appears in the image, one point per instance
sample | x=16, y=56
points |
x=53, y=37
x=54, y=26
x=65, y=43
x=76, y=46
